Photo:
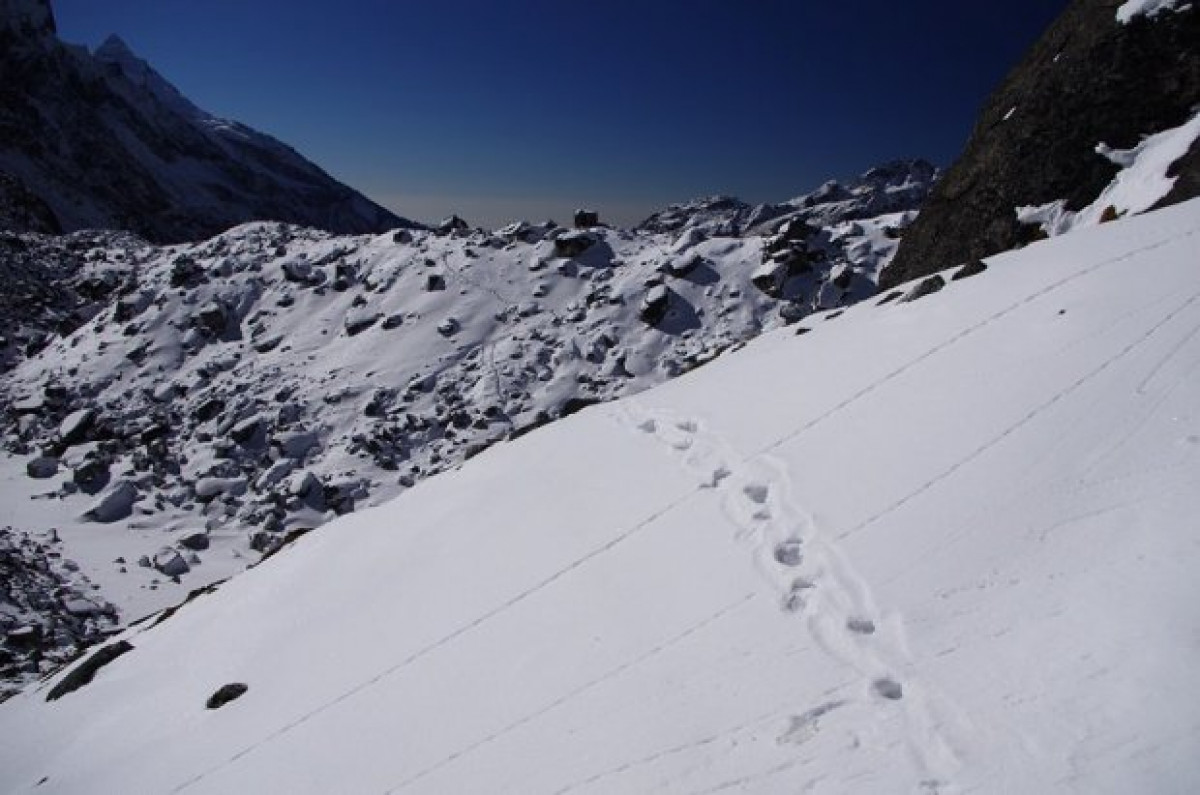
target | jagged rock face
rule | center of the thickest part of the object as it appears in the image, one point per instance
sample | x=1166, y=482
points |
x=1090, y=79
x=103, y=141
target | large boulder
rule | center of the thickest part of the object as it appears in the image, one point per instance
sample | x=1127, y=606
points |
x=75, y=426
x=116, y=504
x=42, y=467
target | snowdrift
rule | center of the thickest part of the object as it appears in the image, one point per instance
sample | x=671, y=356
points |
x=936, y=546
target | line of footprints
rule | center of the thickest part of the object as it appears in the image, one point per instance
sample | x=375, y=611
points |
x=812, y=578
x=809, y=575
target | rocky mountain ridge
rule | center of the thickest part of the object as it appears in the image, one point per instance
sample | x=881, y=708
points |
x=1105, y=75
x=101, y=140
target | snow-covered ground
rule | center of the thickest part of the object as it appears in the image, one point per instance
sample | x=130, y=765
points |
x=223, y=394
x=938, y=546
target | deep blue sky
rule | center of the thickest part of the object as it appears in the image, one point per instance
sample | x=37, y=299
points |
x=499, y=110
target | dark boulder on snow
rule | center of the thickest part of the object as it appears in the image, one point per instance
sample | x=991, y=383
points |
x=74, y=428
x=225, y=694
x=572, y=244
x=90, y=476
x=116, y=504
x=42, y=467
x=197, y=542
x=1090, y=79
x=926, y=287
x=212, y=319
x=170, y=562
x=973, y=268
x=358, y=322
x=654, y=305
x=85, y=672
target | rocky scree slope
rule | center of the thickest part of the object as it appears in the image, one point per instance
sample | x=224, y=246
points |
x=897, y=186
x=101, y=140
x=198, y=404
x=1105, y=73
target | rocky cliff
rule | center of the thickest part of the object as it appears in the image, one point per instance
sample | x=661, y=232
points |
x=101, y=140
x=1106, y=72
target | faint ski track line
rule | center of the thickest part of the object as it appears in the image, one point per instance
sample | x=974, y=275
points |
x=1166, y=359
x=445, y=640
x=941, y=346
x=1024, y=420
x=614, y=672
x=708, y=739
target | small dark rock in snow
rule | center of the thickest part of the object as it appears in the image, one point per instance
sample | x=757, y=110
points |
x=972, y=268
x=170, y=562
x=195, y=541
x=225, y=694
x=42, y=468
x=926, y=287
x=358, y=322
x=435, y=282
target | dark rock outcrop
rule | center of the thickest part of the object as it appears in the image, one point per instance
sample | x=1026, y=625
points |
x=83, y=673
x=1090, y=79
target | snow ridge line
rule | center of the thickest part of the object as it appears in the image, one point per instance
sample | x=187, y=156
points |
x=444, y=640
x=580, y=690
x=958, y=337
x=810, y=575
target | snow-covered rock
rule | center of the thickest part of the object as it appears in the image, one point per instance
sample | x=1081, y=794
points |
x=116, y=504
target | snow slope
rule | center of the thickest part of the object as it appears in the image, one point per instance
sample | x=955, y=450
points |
x=935, y=546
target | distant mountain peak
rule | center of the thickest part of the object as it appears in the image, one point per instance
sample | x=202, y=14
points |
x=102, y=140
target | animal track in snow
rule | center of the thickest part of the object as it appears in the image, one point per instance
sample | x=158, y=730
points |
x=788, y=553
x=888, y=688
x=811, y=575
